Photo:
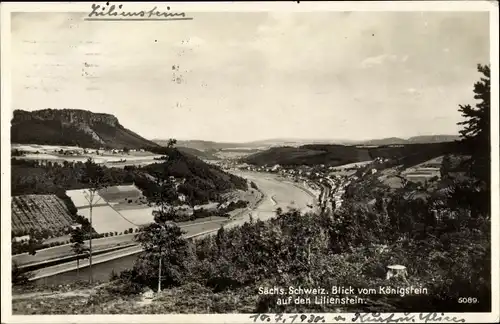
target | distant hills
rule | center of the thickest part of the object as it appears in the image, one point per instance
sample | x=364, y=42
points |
x=211, y=146
x=334, y=155
x=412, y=140
x=309, y=155
x=205, y=146
x=73, y=127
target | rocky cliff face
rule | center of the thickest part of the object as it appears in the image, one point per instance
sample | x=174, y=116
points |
x=73, y=127
x=68, y=116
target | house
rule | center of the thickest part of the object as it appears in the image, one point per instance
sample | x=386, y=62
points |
x=76, y=226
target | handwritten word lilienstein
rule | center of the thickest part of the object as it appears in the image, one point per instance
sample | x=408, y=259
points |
x=116, y=11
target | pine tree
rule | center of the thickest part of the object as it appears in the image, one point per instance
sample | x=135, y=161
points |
x=476, y=132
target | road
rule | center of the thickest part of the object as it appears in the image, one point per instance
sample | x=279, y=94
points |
x=103, y=243
x=277, y=193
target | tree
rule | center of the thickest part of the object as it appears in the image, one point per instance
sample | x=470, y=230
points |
x=445, y=166
x=34, y=242
x=78, y=247
x=476, y=132
x=95, y=179
x=171, y=143
x=221, y=237
x=162, y=240
x=164, y=249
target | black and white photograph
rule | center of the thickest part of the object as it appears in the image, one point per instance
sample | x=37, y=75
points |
x=263, y=163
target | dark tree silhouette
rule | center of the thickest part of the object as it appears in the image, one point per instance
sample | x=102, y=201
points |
x=445, y=166
x=476, y=132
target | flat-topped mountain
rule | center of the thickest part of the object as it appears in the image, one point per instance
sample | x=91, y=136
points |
x=73, y=127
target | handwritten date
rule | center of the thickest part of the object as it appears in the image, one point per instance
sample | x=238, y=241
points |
x=287, y=318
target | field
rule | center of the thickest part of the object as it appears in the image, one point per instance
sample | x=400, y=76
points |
x=80, y=198
x=105, y=219
x=119, y=208
x=41, y=212
x=51, y=153
x=122, y=193
x=424, y=171
x=419, y=173
x=33, y=148
x=138, y=217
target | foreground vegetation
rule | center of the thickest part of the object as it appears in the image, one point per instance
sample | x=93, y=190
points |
x=223, y=273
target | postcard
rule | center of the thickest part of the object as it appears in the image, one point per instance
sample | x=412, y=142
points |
x=250, y=162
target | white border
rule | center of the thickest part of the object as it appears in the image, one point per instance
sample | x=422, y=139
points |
x=6, y=115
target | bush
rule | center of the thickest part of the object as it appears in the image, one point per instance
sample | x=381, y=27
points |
x=20, y=277
x=113, y=275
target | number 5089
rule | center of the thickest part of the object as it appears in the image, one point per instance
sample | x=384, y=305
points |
x=467, y=300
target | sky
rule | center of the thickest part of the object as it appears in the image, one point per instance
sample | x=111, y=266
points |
x=249, y=76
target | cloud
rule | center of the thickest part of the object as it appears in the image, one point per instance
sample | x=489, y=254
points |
x=382, y=59
x=376, y=60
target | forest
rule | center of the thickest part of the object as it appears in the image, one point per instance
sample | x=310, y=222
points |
x=201, y=182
